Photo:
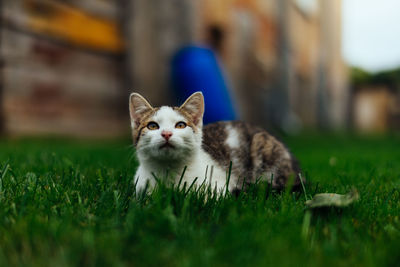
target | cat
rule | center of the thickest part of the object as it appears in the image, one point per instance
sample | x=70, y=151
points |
x=169, y=140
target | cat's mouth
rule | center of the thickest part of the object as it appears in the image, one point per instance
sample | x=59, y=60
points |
x=167, y=145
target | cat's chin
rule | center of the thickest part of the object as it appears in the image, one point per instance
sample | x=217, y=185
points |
x=169, y=155
x=167, y=145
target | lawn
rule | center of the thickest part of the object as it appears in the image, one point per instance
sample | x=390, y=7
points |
x=65, y=202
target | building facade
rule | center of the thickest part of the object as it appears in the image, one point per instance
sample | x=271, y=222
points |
x=69, y=67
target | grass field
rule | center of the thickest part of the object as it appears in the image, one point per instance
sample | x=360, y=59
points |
x=66, y=203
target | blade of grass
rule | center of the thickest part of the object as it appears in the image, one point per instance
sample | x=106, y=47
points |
x=3, y=174
x=302, y=185
x=181, y=178
x=191, y=185
x=228, y=178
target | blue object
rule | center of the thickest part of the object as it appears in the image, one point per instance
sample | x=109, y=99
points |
x=197, y=69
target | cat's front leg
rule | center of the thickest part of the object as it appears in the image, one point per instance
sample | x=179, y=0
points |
x=142, y=180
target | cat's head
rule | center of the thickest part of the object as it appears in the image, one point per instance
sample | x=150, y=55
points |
x=166, y=132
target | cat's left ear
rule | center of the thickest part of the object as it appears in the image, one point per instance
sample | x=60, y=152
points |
x=194, y=106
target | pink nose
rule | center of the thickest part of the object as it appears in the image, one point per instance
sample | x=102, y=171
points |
x=166, y=134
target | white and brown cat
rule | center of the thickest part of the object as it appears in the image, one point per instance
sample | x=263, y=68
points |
x=168, y=139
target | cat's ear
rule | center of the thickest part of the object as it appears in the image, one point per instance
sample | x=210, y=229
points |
x=194, y=106
x=138, y=107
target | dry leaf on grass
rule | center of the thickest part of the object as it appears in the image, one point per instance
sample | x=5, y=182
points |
x=332, y=200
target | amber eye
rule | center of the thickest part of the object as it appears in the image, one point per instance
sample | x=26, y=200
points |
x=152, y=125
x=180, y=125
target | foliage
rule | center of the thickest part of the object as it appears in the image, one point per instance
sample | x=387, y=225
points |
x=390, y=78
x=66, y=203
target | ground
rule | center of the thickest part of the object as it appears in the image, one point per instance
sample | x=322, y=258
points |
x=65, y=202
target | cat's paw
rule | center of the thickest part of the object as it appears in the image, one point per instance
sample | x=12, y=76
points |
x=142, y=185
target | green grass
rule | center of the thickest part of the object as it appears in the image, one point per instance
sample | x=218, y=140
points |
x=73, y=203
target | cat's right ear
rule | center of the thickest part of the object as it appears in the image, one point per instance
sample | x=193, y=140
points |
x=194, y=106
x=138, y=107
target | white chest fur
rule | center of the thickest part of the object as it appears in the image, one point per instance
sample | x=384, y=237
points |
x=200, y=166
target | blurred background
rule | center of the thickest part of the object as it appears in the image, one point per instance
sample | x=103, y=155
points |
x=68, y=67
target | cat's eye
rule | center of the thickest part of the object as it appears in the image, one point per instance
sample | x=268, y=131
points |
x=152, y=125
x=180, y=125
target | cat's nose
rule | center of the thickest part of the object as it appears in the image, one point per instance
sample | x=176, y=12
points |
x=166, y=134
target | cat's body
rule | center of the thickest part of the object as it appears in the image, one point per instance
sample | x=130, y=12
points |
x=171, y=139
x=254, y=153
